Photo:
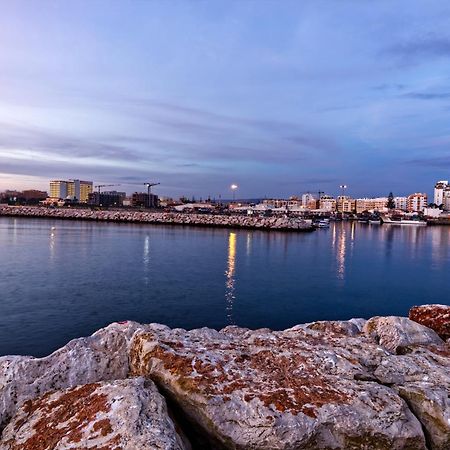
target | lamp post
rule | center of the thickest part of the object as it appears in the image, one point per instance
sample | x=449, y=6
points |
x=233, y=189
x=343, y=188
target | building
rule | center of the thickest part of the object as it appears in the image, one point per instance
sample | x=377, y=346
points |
x=145, y=200
x=439, y=192
x=58, y=189
x=327, y=203
x=112, y=198
x=417, y=202
x=346, y=204
x=401, y=203
x=446, y=201
x=309, y=201
x=75, y=189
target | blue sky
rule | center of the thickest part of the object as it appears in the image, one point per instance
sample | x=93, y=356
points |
x=280, y=97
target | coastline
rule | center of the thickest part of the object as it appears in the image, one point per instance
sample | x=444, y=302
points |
x=290, y=224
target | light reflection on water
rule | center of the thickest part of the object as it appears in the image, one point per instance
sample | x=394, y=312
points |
x=230, y=277
x=60, y=283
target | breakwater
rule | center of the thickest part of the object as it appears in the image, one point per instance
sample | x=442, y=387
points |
x=380, y=384
x=205, y=220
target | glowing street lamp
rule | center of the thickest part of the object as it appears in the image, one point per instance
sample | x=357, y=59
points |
x=233, y=189
x=343, y=188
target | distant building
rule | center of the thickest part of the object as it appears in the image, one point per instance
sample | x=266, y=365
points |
x=327, y=203
x=439, y=192
x=309, y=201
x=346, y=204
x=75, y=189
x=401, y=203
x=111, y=198
x=446, y=201
x=371, y=204
x=417, y=202
x=144, y=200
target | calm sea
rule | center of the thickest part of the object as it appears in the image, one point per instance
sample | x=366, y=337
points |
x=64, y=279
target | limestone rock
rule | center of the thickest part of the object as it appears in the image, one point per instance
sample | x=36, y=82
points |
x=422, y=378
x=301, y=388
x=436, y=317
x=394, y=333
x=102, y=356
x=127, y=414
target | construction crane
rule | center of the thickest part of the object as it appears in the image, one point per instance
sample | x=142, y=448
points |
x=149, y=187
x=149, y=190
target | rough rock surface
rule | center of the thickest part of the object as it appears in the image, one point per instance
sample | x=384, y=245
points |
x=394, y=333
x=309, y=387
x=127, y=414
x=378, y=384
x=436, y=317
x=422, y=377
x=102, y=356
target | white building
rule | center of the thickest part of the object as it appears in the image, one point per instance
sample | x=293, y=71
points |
x=417, y=202
x=439, y=192
x=446, y=201
x=327, y=203
x=401, y=203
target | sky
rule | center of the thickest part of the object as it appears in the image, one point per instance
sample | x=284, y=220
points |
x=280, y=97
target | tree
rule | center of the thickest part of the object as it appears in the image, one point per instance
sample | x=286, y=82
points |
x=391, y=202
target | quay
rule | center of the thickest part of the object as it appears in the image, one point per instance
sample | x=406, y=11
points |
x=166, y=218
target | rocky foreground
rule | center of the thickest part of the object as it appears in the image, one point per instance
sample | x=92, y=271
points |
x=377, y=384
x=205, y=220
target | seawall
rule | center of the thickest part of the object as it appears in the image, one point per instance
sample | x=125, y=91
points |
x=205, y=220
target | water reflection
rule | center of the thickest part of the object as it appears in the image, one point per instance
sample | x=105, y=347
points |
x=146, y=258
x=230, y=274
x=341, y=252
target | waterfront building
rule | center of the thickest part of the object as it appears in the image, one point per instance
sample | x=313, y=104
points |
x=439, y=192
x=371, y=204
x=58, y=189
x=446, y=200
x=346, y=204
x=327, y=203
x=75, y=189
x=145, y=200
x=111, y=198
x=309, y=201
x=417, y=202
x=401, y=203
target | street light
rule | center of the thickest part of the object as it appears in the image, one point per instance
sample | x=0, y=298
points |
x=233, y=189
x=343, y=188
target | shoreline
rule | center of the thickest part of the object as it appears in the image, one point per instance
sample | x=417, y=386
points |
x=289, y=224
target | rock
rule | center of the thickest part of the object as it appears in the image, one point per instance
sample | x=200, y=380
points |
x=127, y=414
x=394, y=333
x=422, y=378
x=302, y=388
x=102, y=356
x=436, y=317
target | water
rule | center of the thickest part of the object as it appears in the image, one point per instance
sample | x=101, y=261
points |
x=64, y=279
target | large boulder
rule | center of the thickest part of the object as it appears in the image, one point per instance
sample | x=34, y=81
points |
x=126, y=414
x=422, y=379
x=309, y=387
x=102, y=356
x=436, y=317
x=396, y=333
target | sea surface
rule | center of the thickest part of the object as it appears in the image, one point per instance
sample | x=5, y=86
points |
x=64, y=279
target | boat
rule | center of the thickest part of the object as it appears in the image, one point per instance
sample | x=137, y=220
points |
x=375, y=221
x=390, y=221
x=322, y=224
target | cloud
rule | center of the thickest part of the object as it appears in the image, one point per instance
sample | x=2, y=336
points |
x=427, y=95
x=419, y=48
x=437, y=161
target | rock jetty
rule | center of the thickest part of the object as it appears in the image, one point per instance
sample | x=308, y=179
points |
x=205, y=220
x=377, y=384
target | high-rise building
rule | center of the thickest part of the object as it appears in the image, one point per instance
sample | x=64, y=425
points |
x=417, y=202
x=58, y=189
x=439, y=190
x=75, y=189
x=446, y=200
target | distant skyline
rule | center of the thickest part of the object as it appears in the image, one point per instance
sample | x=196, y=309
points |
x=279, y=97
